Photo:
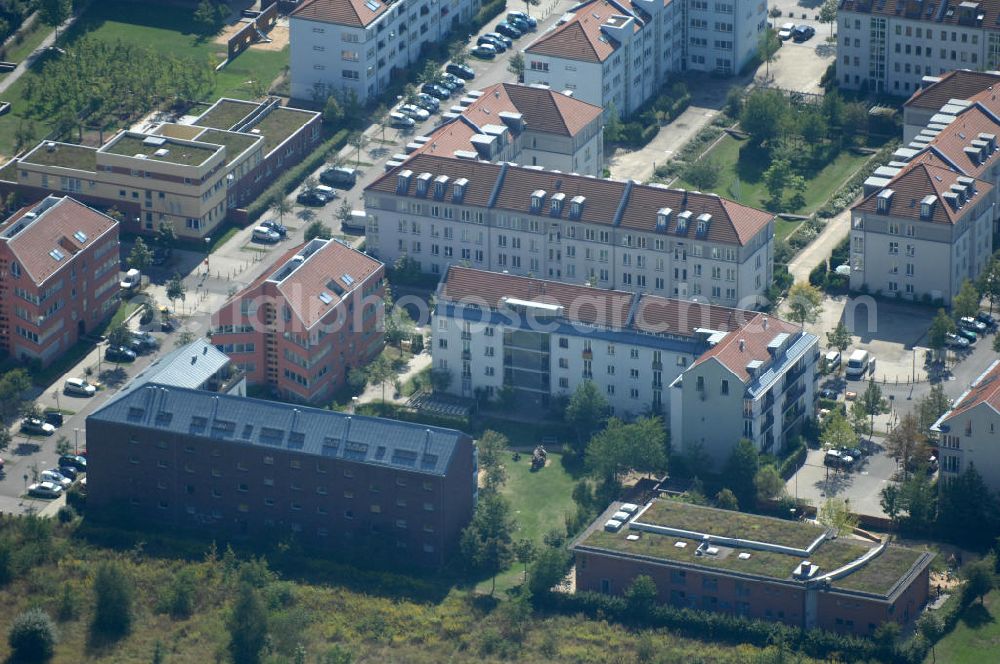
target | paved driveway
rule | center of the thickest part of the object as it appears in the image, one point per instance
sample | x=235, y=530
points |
x=862, y=485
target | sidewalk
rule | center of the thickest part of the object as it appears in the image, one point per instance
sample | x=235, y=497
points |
x=819, y=250
x=25, y=64
x=373, y=393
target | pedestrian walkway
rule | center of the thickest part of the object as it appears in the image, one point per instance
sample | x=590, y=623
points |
x=819, y=250
x=373, y=393
x=24, y=65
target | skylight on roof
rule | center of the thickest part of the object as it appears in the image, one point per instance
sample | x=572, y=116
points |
x=80, y=236
x=325, y=297
x=347, y=279
x=56, y=254
x=372, y=5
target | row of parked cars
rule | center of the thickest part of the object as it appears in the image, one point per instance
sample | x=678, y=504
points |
x=54, y=481
x=969, y=329
x=514, y=26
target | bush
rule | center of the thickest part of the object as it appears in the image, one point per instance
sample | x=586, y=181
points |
x=66, y=514
x=32, y=637
x=112, y=602
x=853, y=187
x=793, y=462
x=76, y=498
x=818, y=276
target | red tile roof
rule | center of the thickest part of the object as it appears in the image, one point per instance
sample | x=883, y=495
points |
x=55, y=229
x=543, y=110
x=926, y=175
x=957, y=84
x=943, y=13
x=730, y=222
x=986, y=390
x=959, y=134
x=581, y=37
x=735, y=351
x=354, y=13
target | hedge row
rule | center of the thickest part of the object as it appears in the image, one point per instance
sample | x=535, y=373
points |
x=793, y=462
x=726, y=627
x=487, y=13
x=294, y=176
x=853, y=187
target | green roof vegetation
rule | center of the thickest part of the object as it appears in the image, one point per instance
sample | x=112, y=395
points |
x=177, y=153
x=235, y=143
x=879, y=575
x=724, y=523
x=8, y=172
x=279, y=124
x=68, y=156
x=226, y=113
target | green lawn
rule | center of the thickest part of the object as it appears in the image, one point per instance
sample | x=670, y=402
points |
x=742, y=168
x=783, y=228
x=163, y=28
x=32, y=39
x=976, y=635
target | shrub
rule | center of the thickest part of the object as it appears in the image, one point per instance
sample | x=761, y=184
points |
x=818, y=275
x=32, y=637
x=112, y=602
x=794, y=461
x=76, y=499
x=66, y=514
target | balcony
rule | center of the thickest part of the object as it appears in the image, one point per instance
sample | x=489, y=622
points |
x=657, y=366
x=588, y=354
x=587, y=375
x=466, y=336
x=767, y=422
x=466, y=354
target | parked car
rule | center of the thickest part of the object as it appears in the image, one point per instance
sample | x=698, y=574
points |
x=144, y=342
x=45, y=490
x=55, y=477
x=518, y=23
x=827, y=393
x=970, y=323
x=340, y=176
x=312, y=198
x=447, y=84
x=78, y=387
x=490, y=40
x=264, y=234
x=503, y=39
x=454, y=80
x=68, y=471
x=508, y=30
x=838, y=459
x=485, y=51
x=166, y=325
x=785, y=31
x=1, y=464
x=427, y=102
x=401, y=121
x=435, y=90
x=968, y=334
x=279, y=228
x=119, y=354
x=131, y=280
x=34, y=426
x=415, y=112
x=161, y=255
x=462, y=71
x=75, y=461
x=955, y=341
x=54, y=417
x=988, y=319
x=803, y=33
x=530, y=20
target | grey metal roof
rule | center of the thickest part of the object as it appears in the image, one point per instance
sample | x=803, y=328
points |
x=188, y=366
x=275, y=425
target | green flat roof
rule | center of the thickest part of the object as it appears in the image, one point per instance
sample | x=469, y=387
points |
x=178, y=153
x=68, y=156
x=882, y=573
x=723, y=523
x=279, y=124
x=8, y=172
x=226, y=113
x=235, y=143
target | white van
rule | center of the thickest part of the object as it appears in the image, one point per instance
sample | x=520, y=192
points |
x=860, y=364
x=78, y=387
x=833, y=360
x=132, y=279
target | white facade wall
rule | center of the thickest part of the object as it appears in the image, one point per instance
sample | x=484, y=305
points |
x=893, y=53
x=583, y=153
x=569, y=251
x=582, y=79
x=327, y=58
x=973, y=437
x=723, y=35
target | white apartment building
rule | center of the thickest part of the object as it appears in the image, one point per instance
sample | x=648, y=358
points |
x=443, y=211
x=354, y=46
x=532, y=125
x=969, y=433
x=952, y=91
x=613, y=53
x=757, y=382
x=889, y=46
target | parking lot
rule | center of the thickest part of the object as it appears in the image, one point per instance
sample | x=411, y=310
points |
x=800, y=66
x=861, y=485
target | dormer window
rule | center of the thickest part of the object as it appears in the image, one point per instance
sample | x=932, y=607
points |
x=576, y=206
x=682, y=222
x=703, y=221
x=403, y=181
x=884, y=200
x=440, y=186
x=555, y=207
x=423, y=182
x=537, y=199
x=927, y=206
x=663, y=218
x=458, y=193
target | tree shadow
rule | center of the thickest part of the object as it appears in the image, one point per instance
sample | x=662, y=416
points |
x=977, y=615
x=27, y=447
x=113, y=377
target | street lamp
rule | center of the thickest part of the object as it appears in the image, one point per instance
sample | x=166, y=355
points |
x=208, y=251
x=76, y=441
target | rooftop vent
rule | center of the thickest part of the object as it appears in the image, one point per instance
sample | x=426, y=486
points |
x=968, y=183
x=962, y=193
x=805, y=570
x=975, y=154
x=951, y=198
x=162, y=152
x=154, y=141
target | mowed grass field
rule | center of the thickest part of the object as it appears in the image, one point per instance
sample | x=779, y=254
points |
x=976, y=637
x=165, y=29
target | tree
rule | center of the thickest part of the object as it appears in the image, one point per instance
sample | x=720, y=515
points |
x=515, y=65
x=5, y=438
x=873, y=402
x=918, y=499
x=930, y=625
x=967, y=509
x=726, y=500
x=941, y=327
x=344, y=211
x=935, y=404
x=119, y=335
x=805, y=303
x=979, y=580
x=398, y=327
x=247, y=625
x=891, y=500
x=989, y=282
x=358, y=141
x=430, y=73
x=641, y=595
x=740, y=470
x=381, y=117
x=184, y=338
x=54, y=12
x=734, y=102
x=379, y=372
x=586, y=412
x=837, y=432
x=768, y=483
x=207, y=16
x=839, y=338
x=703, y=174
x=175, y=290
x=165, y=235
x=906, y=441
x=776, y=179
x=32, y=637
x=765, y=115
x=486, y=543
x=493, y=448
x=813, y=127
x=63, y=446
x=854, y=120
x=548, y=570
x=836, y=513
x=280, y=206
x=525, y=551
x=140, y=257
x=966, y=303
x=318, y=229
x=332, y=112
x=767, y=47
x=828, y=13
x=458, y=53
x=112, y=602
x=621, y=448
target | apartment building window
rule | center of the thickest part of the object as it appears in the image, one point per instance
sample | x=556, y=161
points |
x=350, y=74
x=725, y=387
x=349, y=56
x=893, y=248
x=537, y=65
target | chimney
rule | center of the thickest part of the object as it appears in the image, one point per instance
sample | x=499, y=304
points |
x=743, y=345
x=764, y=322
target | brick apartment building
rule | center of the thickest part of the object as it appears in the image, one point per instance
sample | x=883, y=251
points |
x=58, y=277
x=760, y=567
x=226, y=465
x=301, y=327
x=189, y=175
